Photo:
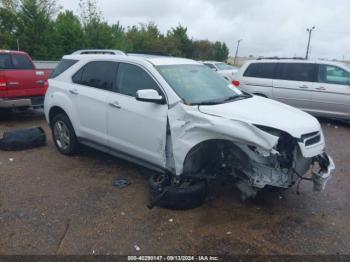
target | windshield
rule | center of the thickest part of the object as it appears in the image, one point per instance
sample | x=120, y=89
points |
x=223, y=66
x=197, y=84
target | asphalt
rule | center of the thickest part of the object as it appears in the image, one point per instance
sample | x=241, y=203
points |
x=53, y=204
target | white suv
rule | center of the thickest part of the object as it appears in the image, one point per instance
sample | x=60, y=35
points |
x=178, y=117
x=321, y=88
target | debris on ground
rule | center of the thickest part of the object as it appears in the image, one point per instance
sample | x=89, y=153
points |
x=171, y=220
x=22, y=139
x=121, y=182
x=11, y=159
x=137, y=248
x=229, y=233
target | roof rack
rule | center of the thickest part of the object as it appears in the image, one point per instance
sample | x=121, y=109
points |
x=280, y=58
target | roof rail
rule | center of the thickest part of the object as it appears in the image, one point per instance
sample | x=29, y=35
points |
x=152, y=53
x=280, y=58
x=98, y=52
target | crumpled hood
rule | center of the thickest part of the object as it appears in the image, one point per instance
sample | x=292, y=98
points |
x=262, y=111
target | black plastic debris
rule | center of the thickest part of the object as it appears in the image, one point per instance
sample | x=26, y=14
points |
x=23, y=139
x=121, y=182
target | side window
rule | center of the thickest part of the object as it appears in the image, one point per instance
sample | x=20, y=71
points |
x=131, y=78
x=297, y=72
x=62, y=66
x=260, y=70
x=22, y=62
x=98, y=74
x=5, y=61
x=332, y=75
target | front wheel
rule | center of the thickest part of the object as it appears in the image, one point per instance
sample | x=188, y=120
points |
x=63, y=135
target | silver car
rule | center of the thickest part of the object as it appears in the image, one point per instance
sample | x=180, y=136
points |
x=321, y=88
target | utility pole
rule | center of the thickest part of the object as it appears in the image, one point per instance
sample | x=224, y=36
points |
x=308, y=43
x=17, y=44
x=238, y=42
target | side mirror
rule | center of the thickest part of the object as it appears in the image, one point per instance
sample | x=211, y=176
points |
x=149, y=95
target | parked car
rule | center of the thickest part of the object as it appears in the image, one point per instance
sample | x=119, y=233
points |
x=182, y=120
x=227, y=71
x=21, y=84
x=321, y=88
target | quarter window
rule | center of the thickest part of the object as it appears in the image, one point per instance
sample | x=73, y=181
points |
x=332, y=75
x=62, y=66
x=98, y=74
x=297, y=72
x=132, y=78
x=260, y=70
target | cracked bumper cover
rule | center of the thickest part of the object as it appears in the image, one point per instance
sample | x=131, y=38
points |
x=321, y=177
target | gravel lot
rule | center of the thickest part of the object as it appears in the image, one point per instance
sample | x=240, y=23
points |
x=53, y=204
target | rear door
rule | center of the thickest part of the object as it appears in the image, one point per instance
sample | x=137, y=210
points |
x=91, y=87
x=23, y=80
x=331, y=96
x=258, y=77
x=294, y=84
x=134, y=127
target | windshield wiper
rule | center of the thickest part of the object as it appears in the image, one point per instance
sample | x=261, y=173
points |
x=236, y=97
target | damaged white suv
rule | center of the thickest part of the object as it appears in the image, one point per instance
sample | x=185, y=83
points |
x=181, y=119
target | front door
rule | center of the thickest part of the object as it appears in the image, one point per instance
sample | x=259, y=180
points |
x=331, y=96
x=136, y=128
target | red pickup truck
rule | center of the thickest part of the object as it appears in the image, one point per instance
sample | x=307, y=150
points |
x=21, y=84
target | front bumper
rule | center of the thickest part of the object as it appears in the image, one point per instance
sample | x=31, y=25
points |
x=323, y=173
x=22, y=102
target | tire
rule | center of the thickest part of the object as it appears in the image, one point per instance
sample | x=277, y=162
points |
x=181, y=196
x=63, y=135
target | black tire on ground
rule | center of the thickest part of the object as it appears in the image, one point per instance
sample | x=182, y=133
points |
x=72, y=147
x=186, y=195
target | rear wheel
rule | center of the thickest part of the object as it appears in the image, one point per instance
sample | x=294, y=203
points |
x=63, y=135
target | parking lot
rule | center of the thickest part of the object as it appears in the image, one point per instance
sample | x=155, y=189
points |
x=53, y=204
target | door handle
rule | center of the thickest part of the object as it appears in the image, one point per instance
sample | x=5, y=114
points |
x=303, y=86
x=73, y=92
x=321, y=88
x=115, y=105
x=41, y=82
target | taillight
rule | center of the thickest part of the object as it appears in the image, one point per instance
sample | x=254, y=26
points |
x=236, y=83
x=3, y=84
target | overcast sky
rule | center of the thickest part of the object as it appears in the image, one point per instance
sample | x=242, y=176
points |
x=267, y=27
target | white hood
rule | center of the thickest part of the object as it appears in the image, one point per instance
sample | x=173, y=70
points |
x=266, y=112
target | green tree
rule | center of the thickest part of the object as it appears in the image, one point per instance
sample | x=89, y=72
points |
x=8, y=21
x=68, y=34
x=35, y=28
x=179, y=35
x=221, y=51
x=97, y=33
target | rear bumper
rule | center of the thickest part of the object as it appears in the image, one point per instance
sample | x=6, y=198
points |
x=324, y=173
x=37, y=101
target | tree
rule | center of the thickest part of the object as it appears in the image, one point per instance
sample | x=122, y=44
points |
x=97, y=33
x=8, y=21
x=221, y=51
x=68, y=33
x=179, y=35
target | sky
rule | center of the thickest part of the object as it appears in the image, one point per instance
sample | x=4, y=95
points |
x=266, y=27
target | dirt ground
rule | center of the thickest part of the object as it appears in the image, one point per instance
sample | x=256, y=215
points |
x=53, y=204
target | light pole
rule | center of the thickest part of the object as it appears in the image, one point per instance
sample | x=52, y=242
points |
x=308, y=43
x=238, y=42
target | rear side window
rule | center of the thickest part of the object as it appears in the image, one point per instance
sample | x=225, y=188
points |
x=62, y=66
x=210, y=66
x=260, y=70
x=132, y=78
x=297, y=72
x=22, y=62
x=5, y=61
x=98, y=74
